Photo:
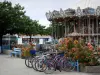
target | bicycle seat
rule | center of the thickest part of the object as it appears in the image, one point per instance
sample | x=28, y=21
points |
x=37, y=56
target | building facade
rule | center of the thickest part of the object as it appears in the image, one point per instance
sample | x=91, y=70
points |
x=38, y=39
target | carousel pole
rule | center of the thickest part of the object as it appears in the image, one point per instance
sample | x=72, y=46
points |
x=74, y=29
x=93, y=31
x=97, y=32
x=52, y=30
x=74, y=26
x=62, y=29
x=59, y=28
x=65, y=29
x=85, y=30
x=68, y=26
x=79, y=27
x=89, y=29
x=93, y=27
x=56, y=31
x=83, y=26
x=86, y=26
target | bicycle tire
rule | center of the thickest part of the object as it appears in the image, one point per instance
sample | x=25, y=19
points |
x=50, y=65
x=28, y=62
x=39, y=64
x=33, y=63
x=68, y=66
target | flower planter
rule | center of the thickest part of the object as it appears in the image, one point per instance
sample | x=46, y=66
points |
x=90, y=69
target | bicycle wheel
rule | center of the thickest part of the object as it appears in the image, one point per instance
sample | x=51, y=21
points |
x=28, y=62
x=68, y=66
x=33, y=63
x=39, y=65
x=72, y=65
x=50, y=67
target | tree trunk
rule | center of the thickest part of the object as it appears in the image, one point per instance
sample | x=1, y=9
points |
x=1, y=42
x=30, y=38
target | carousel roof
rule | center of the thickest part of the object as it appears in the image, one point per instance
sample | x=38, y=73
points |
x=87, y=10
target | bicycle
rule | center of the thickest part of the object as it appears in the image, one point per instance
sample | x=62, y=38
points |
x=28, y=60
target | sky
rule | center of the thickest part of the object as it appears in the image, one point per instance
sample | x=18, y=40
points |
x=36, y=9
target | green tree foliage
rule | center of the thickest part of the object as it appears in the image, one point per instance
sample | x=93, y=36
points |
x=41, y=29
x=10, y=17
x=48, y=30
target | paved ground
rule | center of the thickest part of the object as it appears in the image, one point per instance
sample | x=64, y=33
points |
x=15, y=66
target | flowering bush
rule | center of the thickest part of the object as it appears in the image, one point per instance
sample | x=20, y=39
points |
x=26, y=50
x=78, y=50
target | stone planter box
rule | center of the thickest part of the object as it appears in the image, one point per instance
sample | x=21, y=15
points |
x=90, y=69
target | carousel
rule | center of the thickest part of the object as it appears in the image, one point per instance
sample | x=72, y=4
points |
x=78, y=23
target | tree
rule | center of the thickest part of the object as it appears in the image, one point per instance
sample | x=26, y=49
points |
x=40, y=29
x=30, y=27
x=48, y=30
x=10, y=18
x=14, y=21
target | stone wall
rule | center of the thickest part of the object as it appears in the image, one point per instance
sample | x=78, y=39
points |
x=90, y=69
x=7, y=52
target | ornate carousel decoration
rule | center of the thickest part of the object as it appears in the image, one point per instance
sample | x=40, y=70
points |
x=79, y=12
x=89, y=11
x=98, y=11
x=70, y=12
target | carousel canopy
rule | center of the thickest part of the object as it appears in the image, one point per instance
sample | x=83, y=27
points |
x=72, y=12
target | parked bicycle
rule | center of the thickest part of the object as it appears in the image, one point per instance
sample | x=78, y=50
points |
x=28, y=60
